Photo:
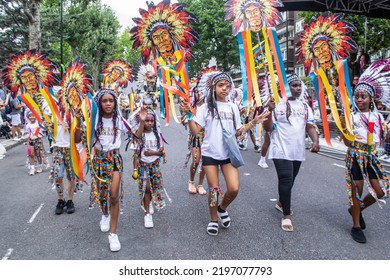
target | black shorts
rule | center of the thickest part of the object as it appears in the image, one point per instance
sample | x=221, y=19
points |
x=212, y=161
x=357, y=173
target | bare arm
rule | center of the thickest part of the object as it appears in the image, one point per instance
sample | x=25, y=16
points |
x=315, y=146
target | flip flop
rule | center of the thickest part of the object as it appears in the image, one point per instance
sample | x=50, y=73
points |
x=201, y=190
x=287, y=225
x=192, y=188
x=280, y=209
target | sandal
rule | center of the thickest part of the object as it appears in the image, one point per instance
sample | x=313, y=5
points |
x=287, y=225
x=191, y=188
x=201, y=190
x=212, y=228
x=280, y=209
x=225, y=219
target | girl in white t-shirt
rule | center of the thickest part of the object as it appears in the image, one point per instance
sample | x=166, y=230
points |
x=35, y=147
x=362, y=164
x=214, y=151
x=107, y=163
x=292, y=119
x=149, y=151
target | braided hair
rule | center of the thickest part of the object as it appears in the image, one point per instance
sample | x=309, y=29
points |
x=115, y=115
x=211, y=98
x=155, y=132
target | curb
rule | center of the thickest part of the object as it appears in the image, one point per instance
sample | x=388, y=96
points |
x=9, y=143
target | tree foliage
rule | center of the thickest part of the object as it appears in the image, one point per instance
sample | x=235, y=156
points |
x=216, y=39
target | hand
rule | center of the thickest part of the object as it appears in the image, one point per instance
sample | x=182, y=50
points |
x=185, y=107
x=149, y=153
x=262, y=117
x=315, y=147
x=271, y=105
x=78, y=113
x=342, y=120
x=142, y=114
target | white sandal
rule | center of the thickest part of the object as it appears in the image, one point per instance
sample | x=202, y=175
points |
x=225, y=218
x=212, y=228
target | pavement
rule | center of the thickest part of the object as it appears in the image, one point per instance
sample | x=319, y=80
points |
x=9, y=143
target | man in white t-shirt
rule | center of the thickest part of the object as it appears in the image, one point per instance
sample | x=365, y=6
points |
x=292, y=119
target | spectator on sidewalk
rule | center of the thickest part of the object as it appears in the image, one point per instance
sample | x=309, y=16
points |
x=16, y=118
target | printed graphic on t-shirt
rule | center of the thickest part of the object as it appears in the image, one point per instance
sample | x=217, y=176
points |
x=151, y=144
x=225, y=115
x=107, y=131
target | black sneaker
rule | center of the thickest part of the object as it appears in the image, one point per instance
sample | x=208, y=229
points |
x=70, y=207
x=60, y=207
x=361, y=220
x=257, y=148
x=358, y=235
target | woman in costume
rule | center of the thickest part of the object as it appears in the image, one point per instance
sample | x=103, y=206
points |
x=292, y=119
x=362, y=165
x=211, y=116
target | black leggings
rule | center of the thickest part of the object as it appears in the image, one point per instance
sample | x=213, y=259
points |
x=287, y=170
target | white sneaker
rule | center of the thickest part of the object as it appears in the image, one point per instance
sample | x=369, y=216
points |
x=16, y=139
x=384, y=157
x=148, y=221
x=115, y=245
x=263, y=164
x=39, y=169
x=32, y=171
x=105, y=223
x=151, y=209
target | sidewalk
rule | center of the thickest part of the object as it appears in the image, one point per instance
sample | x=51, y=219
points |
x=9, y=143
x=336, y=144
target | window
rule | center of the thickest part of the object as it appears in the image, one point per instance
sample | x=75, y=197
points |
x=299, y=26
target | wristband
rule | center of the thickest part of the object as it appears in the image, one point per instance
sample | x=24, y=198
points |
x=190, y=116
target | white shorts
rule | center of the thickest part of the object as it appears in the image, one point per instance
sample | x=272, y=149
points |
x=16, y=120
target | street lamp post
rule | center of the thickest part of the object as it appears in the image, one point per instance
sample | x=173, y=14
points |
x=61, y=39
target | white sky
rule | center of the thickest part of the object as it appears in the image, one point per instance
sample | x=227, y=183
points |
x=125, y=10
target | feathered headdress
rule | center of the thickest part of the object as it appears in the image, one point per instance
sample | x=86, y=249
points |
x=265, y=88
x=204, y=80
x=332, y=29
x=31, y=60
x=268, y=14
x=171, y=17
x=144, y=73
x=375, y=81
x=74, y=77
x=123, y=67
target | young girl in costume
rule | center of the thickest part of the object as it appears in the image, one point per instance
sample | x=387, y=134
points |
x=35, y=147
x=362, y=165
x=292, y=119
x=215, y=154
x=107, y=163
x=150, y=150
x=194, y=148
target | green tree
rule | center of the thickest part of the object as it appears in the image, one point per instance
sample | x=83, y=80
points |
x=216, y=39
x=125, y=49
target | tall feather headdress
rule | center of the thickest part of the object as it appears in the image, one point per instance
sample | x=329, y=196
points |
x=32, y=60
x=123, y=67
x=76, y=77
x=375, y=81
x=173, y=17
x=269, y=15
x=332, y=29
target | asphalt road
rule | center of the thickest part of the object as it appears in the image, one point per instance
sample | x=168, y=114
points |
x=29, y=229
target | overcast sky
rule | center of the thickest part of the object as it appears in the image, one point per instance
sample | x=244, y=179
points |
x=125, y=10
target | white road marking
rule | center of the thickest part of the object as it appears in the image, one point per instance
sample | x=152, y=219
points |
x=246, y=174
x=9, y=252
x=36, y=213
x=339, y=165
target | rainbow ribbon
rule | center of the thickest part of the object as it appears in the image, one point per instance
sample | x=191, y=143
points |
x=332, y=104
x=270, y=66
x=278, y=59
x=318, y=86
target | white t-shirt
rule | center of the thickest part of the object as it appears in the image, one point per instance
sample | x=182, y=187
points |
x=288, y=138
x=213, y=145
x=106, y=137
x=62, y=138
x=31, y=129
x=150, y=144
x=360, y=128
